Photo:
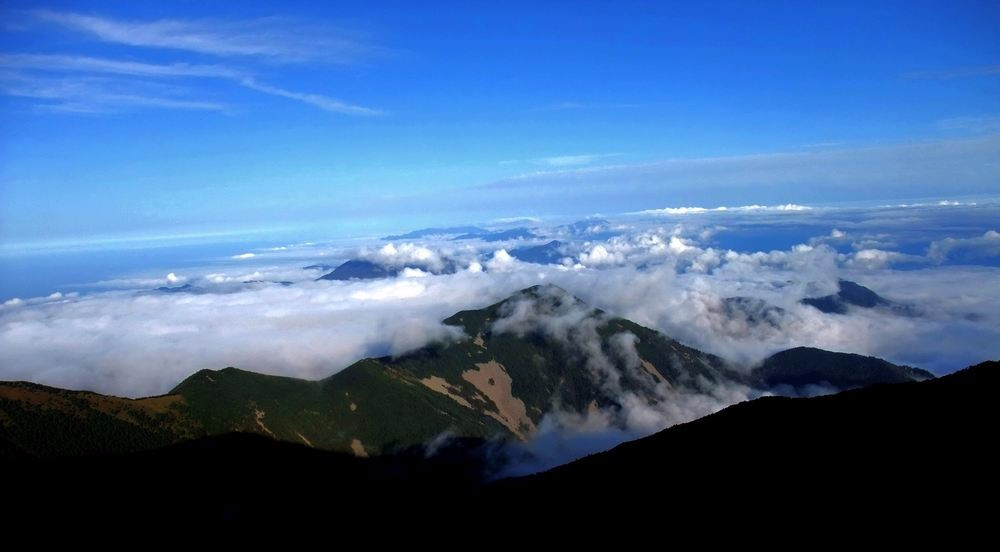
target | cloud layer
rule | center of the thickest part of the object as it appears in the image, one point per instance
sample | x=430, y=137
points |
x=260, y=310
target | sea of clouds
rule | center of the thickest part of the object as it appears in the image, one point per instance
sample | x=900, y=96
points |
x=667, y=268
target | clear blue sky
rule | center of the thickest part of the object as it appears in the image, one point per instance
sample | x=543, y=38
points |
x=132, y=120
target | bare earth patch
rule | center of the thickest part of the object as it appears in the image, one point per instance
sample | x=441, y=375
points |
x=439, y=384
x=304, y=440
x=358, y=449
x=657, y=376
x=492, y=380
x=353, y=407
x=592, y=407
x=259, y=415
x=478, y=340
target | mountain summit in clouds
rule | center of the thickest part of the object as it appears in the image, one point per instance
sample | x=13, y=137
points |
x=849, y=294
x=539, y=357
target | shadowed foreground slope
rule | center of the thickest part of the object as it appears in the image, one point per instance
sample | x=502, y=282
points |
x=888, y=452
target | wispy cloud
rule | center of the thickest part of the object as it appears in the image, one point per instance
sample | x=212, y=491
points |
x=573, y=160
x=565, y=105
x=325, y=103
x=885, y=171
x=46, y=62
x=82, y=64
x=975, y=124
x=98, y=95
x=276, y=39
x=575, y=105
x=958, y=73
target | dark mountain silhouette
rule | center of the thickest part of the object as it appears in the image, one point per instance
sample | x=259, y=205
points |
x=186, y=288
x=278, y=282
x=549, y=253
x=753, y=310
x=869, y=461
x=849, y=294
x=807, y=366
x=428, y=232
x=500, y=235
x=356, y=269
x=866, y=456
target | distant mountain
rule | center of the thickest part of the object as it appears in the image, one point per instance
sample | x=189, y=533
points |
x=278, y=282
x=849, y=294
x=357, y=269
x=537, y=348
x=549, y=253
x=449, y=231
x=753, y=310
x=587, y=226
x=805, y=366
x=593, y=229
x=500, y=235
x=186, y=288
x=318, y=267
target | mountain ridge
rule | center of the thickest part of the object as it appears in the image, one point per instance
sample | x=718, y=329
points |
x=539, y=349
x=872, y=457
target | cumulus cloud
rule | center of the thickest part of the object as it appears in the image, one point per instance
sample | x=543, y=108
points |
x=987, y=245
x=501, y=262
x=877, y=258
x=407, y=254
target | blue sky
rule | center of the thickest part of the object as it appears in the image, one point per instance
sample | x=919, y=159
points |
x=132, y=120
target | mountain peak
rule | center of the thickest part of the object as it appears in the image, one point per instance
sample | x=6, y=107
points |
x=848, y=294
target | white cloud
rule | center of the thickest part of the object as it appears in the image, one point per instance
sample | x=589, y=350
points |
x=95, y=95
x=277, y=39
x=501, y=262
x=67, y=88
x=574, y=160
x=84, y=64
x=599, y=255
x=393, y=290
x=405, y=254
x=173, y=278
x=245, y=256
x=863, y=173
x=987, y=245
x=877, y=258
x=325, y=103
x=788, y=207
x=661, y=276
x=413, y=273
